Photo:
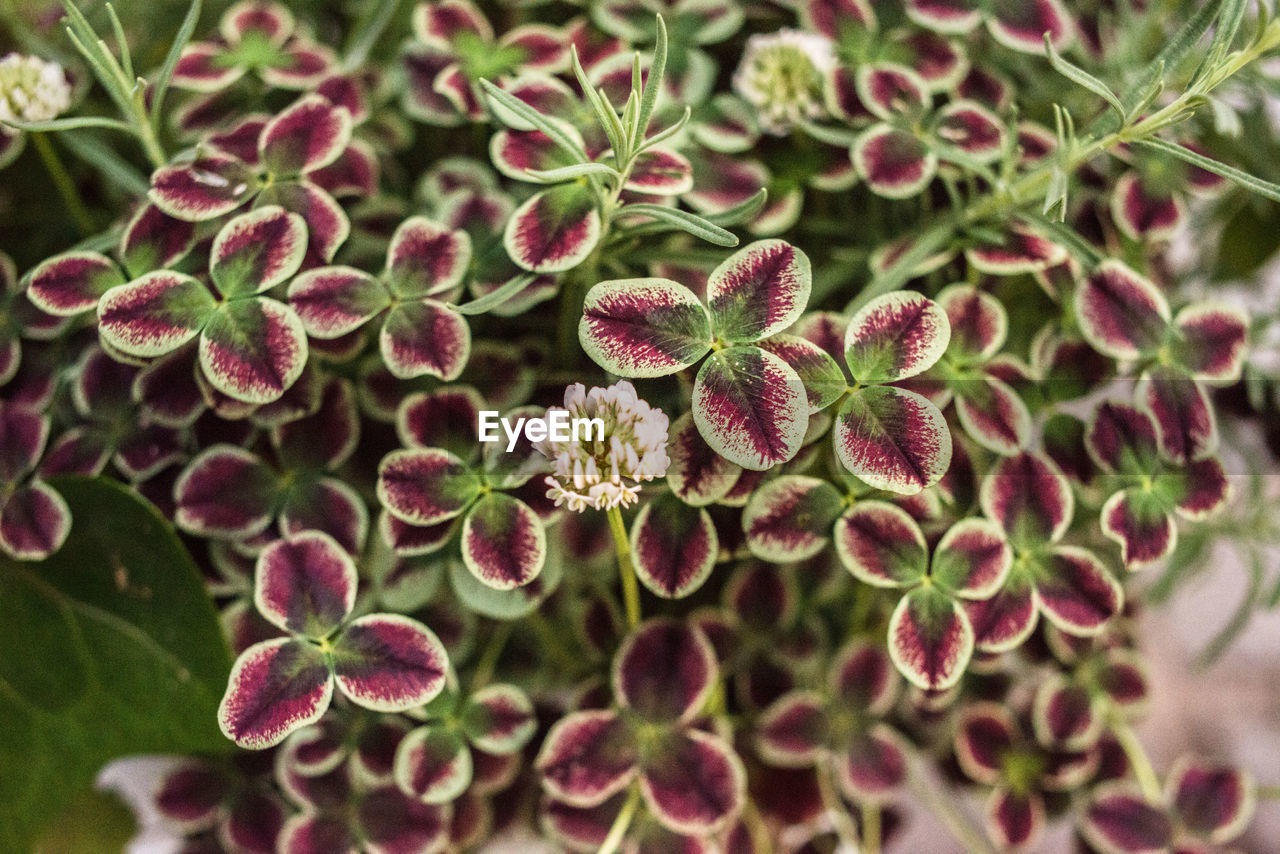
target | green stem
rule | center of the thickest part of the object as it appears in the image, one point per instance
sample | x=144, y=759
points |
x=756, y=828
x=150, y=144
x=553, y=645
x=840, y=820
x=943, y=805
x=717, y=703
x=1269, y=793
x=870, y=829
x=572, y=296
x=368, y=29
x=145, y=130
x=1033, y=185
x=622, y=823
x=66, y=186
x=863, y=604
x=1137, y=755
x=489, y=659
x=626, y=571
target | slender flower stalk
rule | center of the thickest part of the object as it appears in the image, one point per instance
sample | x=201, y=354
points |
x=63, y=181
x=941, y=804
x=626, y=570
x=625, y=447
x=870, y=829
x=621, y=824
x=489, y=658
x=1137, y=756
x=841, y=823
x=34, y=90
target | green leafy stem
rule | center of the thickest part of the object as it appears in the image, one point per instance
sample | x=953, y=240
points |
x=1125, y=125
x=139, y=116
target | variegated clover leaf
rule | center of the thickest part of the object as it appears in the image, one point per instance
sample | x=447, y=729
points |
x=764, y=632
x=252, y=347
x=789, y=518
x=1030, y=498
x=346, y=735
x=1204, y=805
x=937, y=57
x=591, y=153
x=992, y=750
x=890, y=437
x=931, y=638
x=198, y=794
x=1148, y=201
x=109, y=430
x=1014, y=249
x=1146, y=489
x=504, y=543
x=422, y=333
x=306, y=586
x=226, y=492
x=691, y=781
x=1103, y=684
x=454, y=47
x=674, y=546
x=72, y=283
x=346, y=807
x=898, y=155
x=433, y=763
x=19, y=319
x=269, y=163
x=690, y=71
x=990, y=410
x=555, y=229
x=749, y=404
x=698, y=475
x=34, y=518
x=1125, y=316
x=842, y=730
x=1017, y=26
x=256, y=36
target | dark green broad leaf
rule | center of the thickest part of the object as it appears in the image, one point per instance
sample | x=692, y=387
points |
x=110, y=647
x=1249, y=238
x=95, y=823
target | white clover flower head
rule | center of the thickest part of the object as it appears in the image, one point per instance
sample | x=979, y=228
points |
x=781, y=75
x=603, y=472
x=32, y=90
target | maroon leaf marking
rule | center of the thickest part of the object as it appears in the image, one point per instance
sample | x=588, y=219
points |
x=694, y=783
x=644, y=327
x=587, y=757
x=675, y=546
x=275, y=687
x=305, y=584
x=750, y=406
x=664, y=671
x=503, y=542
x=389, y=663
